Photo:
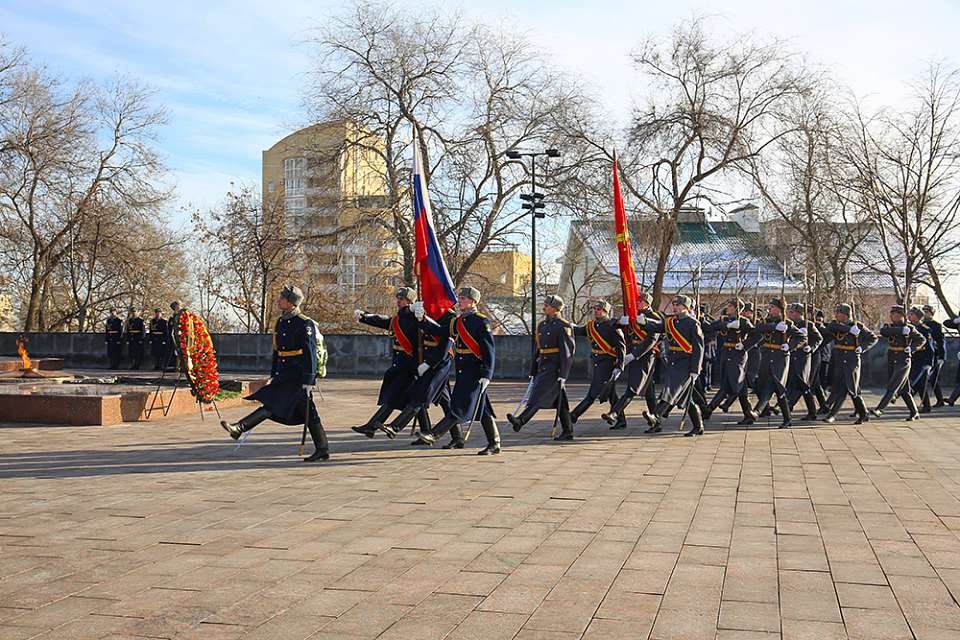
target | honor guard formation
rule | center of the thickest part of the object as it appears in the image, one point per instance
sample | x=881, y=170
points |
x=673, y=361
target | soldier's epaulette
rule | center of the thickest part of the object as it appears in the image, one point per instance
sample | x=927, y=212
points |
x=480, y=315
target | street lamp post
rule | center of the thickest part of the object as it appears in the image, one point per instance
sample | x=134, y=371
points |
x=533, y=201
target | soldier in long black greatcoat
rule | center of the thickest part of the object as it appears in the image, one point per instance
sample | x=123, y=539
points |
x=684, y=361
x=820, y=366
x=288, y=397
x=643, y=340
x=402, y=373
x=850, y=339
x=921, y=362
x=159, y=335
x=776, y=337
x=938, y=343
x=903, y=340
x=475, y=358
x=802, y=362
x=113, y=336
x=954, y=323
x=731, y=331
x=607, y=350
x=549, y=369
x=135, y=333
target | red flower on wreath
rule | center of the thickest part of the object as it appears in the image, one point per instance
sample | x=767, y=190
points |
x=199, y=357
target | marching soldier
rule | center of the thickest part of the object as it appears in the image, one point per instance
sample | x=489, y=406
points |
x=850, y=339
x=731, y=330
x=403, y=369
x=921, y=362
x=776, y=337
x=113, y=337
x=753, y=355
x=135, y=334
x=288, y=397
x=820, y=366
x=549, y=369
x=903, y=340
x=474, y=360
x=158, y=339
x=954, y=323
x=802, y=362
x=432, y=385
x=607, y=350
x=939, y=344
x=684, y=361
x=642, y=338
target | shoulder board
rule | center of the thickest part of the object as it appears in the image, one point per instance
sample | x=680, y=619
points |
x=480, y=315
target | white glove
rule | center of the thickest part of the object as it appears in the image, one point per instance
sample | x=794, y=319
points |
x=854, y=329
x=562, y=381
x=906, y=330
x=858, y=350
x=807, y=349
x=417, y=308
x=624, y=320
x=484, y=383
x=739, y=346
x=308, y=387
x=785, y=347
x=422, y=368
x=357, y=314
x=693, y=376
x=908, y=350
x=641, y=319
x=803, y=330
x=782, y=326
x=628, y=359
x=616, y=372
x=734, y=324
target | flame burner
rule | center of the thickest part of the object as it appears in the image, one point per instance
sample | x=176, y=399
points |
x=28, y=369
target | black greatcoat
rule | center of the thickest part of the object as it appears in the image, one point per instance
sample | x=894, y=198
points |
x=642, y=342
x=294, y=365
x=555, y=347
x=846, y=360
x=684, y=355
x=607, y=349
x=113, y=336
x=476, y=334
x=136, y=336
x=801, y=361
x=774, y=362
x=402, y=373
x=434, y=384
x=733, y=361
x=899, y=336
x=158, y=337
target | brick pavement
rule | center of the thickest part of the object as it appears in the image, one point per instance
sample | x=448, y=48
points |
x=163, y=531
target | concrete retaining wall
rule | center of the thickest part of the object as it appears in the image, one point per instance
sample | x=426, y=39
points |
x=363, y=354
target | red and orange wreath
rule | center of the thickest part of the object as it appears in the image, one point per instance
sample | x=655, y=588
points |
x=199, y=357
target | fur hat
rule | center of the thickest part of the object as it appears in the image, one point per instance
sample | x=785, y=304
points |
x=554, y=301
x=292, y=294
x=469, y=292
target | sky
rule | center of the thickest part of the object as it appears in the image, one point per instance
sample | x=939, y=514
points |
x=231, y=74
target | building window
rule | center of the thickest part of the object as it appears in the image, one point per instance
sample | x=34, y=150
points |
x=503, y=278
x=294, y=176
x=352, y=274
x=271, y=187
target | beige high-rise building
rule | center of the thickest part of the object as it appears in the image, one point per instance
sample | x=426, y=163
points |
x=502, y=273
x=327, y=180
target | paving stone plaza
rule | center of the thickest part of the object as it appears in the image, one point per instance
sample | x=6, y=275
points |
x=164, y=530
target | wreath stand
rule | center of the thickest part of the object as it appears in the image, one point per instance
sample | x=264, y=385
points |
x=179, y=382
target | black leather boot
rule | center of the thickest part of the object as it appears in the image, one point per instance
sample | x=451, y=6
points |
x=566, y=425
x=714, y=404
x=911, y=404
x=785, y=411
x=610, y=417
x=447, y=423
x=319, y=437
x=518, y=421
x=653, y=419
x=811, y=406
x=861, y=409
x=749, y=417
x=696, y=422
x=399, y=423
x=493, y=435
x=379, y=417
x=245, y=424
x=581, y=408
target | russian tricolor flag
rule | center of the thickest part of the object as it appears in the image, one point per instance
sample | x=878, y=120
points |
x=436, y=287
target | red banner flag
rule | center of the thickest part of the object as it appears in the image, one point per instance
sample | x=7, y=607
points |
x=628, y=278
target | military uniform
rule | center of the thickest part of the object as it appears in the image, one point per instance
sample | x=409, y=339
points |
x=432, y=385
x=731, y=332
x=954, y=323
x=113, y=336
x=159, y=335
x=775, y=338
x=903, y=340
x=135, y=333
x=683, y=356
x=819, y=366
x=287, y=398
x=938, y=343
x=607, y=350
x=398, y=379
x=474, y=360
x=921, y=363
x=642, y=348
x=555, y=347
x=799, y=381
x=752, y=368
x=850, y=339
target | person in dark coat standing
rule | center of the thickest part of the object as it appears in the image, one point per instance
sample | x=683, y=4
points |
x=288, y=397
x=938, y=342
x=820, y=365
x=475, y=358
x=159, y=334
x=954, y=323
x=684, y=362
x=850, y=339
x=113, y=337
x=607, y=350
x=753, y=355
x=135, y=333
x=402, y=373
x=432, y=386
x=802, y=362
x=731, y=330
x=549, y=369
x=642, y=348
x=921, y=362
x=776, y=337
x=903, y=340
